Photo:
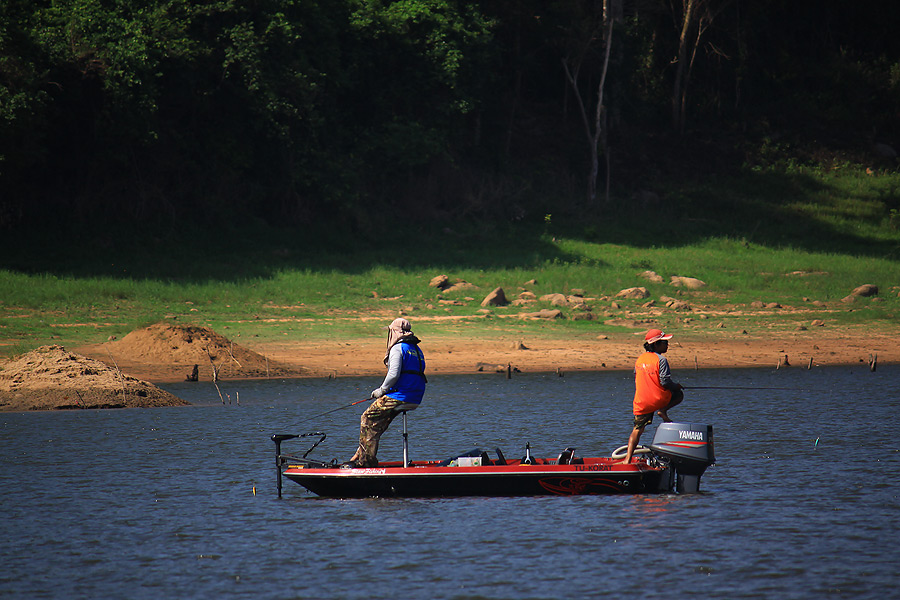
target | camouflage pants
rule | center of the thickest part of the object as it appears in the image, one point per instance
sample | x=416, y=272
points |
x=372, y=424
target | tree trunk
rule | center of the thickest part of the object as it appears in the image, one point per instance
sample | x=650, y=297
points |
x=592, y=128
x=696, y=17
x=599, y=114
x=681, y=65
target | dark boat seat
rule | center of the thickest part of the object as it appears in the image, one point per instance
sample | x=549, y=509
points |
x=565, y=458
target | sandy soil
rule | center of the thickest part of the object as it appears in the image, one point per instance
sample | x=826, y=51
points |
x=449, y=355
x=52, y=378
x=113, y=375
x=118, y=373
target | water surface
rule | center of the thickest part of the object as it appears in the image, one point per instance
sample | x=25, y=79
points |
x=159, y=503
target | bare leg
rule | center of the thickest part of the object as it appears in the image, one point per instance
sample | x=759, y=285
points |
x=632, y=443
x=677, y=397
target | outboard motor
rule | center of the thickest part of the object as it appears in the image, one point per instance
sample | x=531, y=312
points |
x=689, y=448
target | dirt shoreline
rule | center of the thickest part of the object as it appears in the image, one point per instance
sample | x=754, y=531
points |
x=450, y=355
x=126, y=373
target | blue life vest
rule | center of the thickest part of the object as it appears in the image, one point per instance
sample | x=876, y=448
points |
x=411, y=385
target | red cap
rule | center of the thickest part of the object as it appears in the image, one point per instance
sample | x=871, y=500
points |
x=655, y=335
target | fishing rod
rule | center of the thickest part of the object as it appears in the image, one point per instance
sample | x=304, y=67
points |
x=730, y=387
x=328, y=412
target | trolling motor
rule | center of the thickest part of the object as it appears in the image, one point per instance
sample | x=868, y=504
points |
x=282, y=459
x=690, y=450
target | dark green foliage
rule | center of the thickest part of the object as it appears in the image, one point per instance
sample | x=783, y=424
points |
x=353, y=111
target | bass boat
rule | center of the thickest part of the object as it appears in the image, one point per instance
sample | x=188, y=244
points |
x=674, y=462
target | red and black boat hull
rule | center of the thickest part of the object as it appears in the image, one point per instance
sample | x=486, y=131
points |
x=428, y=480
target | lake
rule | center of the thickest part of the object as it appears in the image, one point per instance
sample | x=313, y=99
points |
x=181, y=502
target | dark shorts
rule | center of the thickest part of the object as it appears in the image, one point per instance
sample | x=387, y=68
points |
x=641, y=421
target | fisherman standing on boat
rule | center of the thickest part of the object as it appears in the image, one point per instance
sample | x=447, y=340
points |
x=402, y=390
x=654, y=390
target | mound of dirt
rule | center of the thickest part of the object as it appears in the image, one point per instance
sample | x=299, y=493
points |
x=52, y=378
x=183, y=346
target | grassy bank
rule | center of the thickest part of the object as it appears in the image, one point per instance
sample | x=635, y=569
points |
x=800, y=238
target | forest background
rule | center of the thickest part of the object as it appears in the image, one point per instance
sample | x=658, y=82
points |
x=357, y=111
x=153, y=142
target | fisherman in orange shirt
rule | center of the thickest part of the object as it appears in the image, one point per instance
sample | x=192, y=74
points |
x=654, y=390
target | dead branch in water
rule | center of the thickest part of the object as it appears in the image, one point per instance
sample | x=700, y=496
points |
x=215, y=373
x=120, y=375
x=231, y=352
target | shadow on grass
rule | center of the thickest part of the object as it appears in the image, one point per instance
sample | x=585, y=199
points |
x=776, y=210
x=258, y=251
x=769, y=209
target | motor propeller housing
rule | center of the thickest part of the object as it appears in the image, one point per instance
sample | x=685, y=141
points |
x=690, y=450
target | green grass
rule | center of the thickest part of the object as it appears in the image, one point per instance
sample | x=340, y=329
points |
x=743, y=236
